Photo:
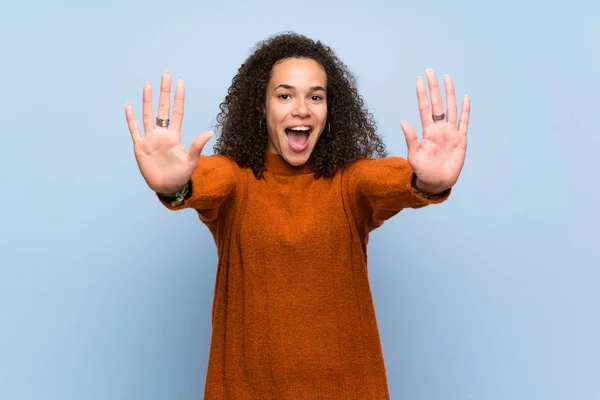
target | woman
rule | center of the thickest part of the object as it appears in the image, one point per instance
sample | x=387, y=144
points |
x=298, y=180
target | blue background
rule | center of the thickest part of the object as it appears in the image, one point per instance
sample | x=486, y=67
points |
x=105, y=294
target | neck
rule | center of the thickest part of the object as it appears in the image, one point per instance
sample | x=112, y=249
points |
x=277, y=165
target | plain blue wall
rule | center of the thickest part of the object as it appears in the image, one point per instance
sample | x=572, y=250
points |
x=105, y=294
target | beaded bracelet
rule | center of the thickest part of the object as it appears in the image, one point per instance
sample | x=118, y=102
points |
x=427, y=196
x=177, y=198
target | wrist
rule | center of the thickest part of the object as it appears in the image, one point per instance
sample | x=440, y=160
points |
x=427, y=191
x=171, y=190
x=178, y=196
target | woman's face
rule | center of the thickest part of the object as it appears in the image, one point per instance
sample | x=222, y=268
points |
x=296, y=108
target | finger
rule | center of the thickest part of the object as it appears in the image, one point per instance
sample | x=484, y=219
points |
x=424, y=109
x=177, y=117
x=132, y=124
x=197, y=145
x=412, y=141
x=465, y=113
x=450, y=101
x=148, y=116
x=437, y=105
x=164, y=100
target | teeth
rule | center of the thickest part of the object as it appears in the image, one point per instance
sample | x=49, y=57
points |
x=300, y=128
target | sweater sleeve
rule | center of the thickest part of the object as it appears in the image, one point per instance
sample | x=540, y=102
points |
x=379, y=189
x=213, y=181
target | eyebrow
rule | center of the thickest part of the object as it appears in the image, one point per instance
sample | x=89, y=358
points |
x=290, y=87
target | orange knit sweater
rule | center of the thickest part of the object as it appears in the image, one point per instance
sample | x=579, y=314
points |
x=293, y=316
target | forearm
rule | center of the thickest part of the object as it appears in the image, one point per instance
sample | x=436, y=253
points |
x=211, y=183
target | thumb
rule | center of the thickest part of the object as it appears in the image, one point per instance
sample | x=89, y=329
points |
x=412, y=142
x=197, y=145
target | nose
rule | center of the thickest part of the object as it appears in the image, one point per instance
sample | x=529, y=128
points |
x=301, y=109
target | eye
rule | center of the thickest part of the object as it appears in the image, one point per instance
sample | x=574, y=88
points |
x=316, y=97
x=283, y=96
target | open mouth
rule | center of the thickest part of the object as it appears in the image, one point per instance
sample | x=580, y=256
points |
x=298, y=136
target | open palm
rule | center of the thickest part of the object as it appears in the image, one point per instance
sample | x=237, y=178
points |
x=163, y=161
x=438, y=159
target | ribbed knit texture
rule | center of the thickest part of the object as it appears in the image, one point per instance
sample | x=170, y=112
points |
x=293, y=315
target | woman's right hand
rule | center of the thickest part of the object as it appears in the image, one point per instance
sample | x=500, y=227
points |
x=163, y=161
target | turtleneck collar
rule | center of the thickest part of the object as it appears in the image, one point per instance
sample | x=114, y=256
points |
x=279, y=166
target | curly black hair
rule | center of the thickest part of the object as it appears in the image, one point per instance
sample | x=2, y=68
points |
x=351, y=131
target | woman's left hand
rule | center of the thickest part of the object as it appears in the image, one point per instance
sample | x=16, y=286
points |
x=438, y=159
